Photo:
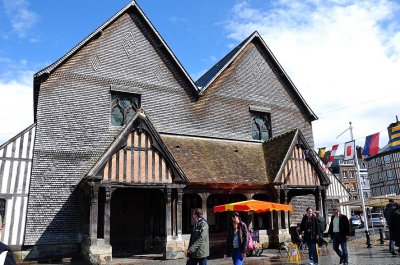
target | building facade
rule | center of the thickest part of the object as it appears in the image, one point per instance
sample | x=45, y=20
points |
x=347, y=174
x=127, y=145
x=384, y=167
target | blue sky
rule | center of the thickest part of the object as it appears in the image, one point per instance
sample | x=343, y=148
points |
x=343, y=56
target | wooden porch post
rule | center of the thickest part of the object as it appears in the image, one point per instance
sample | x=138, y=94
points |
x=284, y=219
x=278, y=214
x=204, y=197
x=324, y=209
x=107, y=215
x=179, y=212
x=168, y=213
x=94, y=209
x=317, y=195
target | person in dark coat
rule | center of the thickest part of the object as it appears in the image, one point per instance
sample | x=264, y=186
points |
x=310, y=231
x=395, y=225
x=236, y=240
x=199, y=248
x=6, y=255
x=390, y=207
x=339, y=230
x=322, y=227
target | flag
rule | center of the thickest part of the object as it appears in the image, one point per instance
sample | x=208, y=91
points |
x=349, y=150
x=371, y=146
x=322, y=152
x=332, y=156
x=394, y=137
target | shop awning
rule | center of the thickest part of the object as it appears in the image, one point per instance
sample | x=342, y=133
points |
x=253, y=205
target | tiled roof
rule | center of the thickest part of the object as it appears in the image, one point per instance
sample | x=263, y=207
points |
x=276, y=150
x=218, y=161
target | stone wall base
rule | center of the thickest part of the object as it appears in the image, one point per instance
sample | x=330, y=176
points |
x=277, y=236
x=97, y=254
x=49, y=252
x=175, y=248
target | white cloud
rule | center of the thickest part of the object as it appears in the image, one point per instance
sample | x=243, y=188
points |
x=21, y=17
x=16, y=105
x=338, y=54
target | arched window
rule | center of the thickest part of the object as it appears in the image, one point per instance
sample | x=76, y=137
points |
x=123, y=108
x=261, y=126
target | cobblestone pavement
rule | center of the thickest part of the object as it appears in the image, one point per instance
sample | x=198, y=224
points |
x=359, y=254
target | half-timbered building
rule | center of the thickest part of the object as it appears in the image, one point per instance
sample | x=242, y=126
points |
x=127, y=144
x=15, y=172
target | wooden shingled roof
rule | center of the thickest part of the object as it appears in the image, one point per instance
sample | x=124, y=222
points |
x=276, y=151
x=216, y=161
x=210, y=161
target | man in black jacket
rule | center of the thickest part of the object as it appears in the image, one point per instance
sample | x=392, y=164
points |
x=339, y=230
x=310, y=232
x=395, y=227
x=390, y=207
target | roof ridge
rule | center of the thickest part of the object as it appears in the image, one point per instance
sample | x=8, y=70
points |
x=207, y=78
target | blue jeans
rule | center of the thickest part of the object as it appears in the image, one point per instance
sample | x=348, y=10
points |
x=339, y=240
x=312, y=251
x=195, y=261
x=237, y=256
x=391, y=245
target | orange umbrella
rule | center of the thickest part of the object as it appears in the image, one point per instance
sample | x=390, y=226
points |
x=253, y=205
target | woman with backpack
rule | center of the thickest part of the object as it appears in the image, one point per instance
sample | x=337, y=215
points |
x=237, y=240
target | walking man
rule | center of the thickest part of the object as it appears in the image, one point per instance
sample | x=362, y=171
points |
x=339, y=230
x=322, y=227
x=395, y=227
x=199, y=248
x=390, y=207
x=309, y=228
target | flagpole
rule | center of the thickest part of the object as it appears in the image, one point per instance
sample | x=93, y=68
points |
x=361, y=193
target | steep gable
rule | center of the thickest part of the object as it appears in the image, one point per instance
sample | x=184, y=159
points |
x=292, y=161
x=228, y=66
x=117, y=51
x=137, y=156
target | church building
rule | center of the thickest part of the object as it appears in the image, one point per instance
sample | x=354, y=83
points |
x=125, y=144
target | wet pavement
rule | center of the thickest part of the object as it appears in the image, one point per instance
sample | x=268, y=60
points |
x=358, y=254
x=378, y=255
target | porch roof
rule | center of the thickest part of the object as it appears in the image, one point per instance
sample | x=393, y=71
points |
x=219, y=161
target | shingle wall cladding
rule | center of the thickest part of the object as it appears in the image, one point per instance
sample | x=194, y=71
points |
x=73, y=114
x=73, y=123
x=250, y=80
x=300, y=204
